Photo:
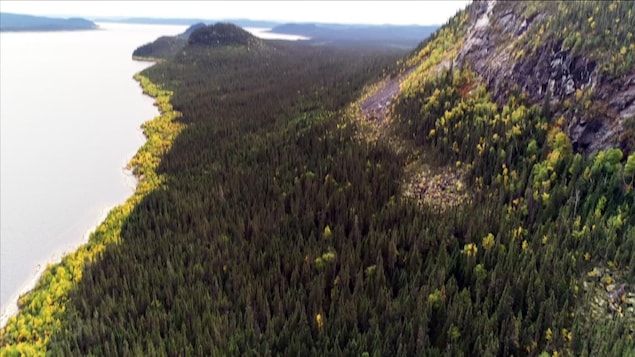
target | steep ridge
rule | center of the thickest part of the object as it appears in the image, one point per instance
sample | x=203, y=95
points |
x=509, y=100
x=539, y=49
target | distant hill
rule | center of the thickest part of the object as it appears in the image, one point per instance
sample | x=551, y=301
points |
x=188, y=32
x=165, y=46
x=155, y=21
x=222, y=34
x=19, y=22
x=385, y=35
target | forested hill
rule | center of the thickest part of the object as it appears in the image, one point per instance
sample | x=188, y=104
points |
x=401, y=38
x=165, y=47
x=19, y=22
x=324, y=200
x=219, y=34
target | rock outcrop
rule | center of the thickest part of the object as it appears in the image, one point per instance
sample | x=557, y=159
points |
x=551, y=75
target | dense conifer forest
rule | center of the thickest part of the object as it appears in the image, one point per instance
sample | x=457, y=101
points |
x=273, y=218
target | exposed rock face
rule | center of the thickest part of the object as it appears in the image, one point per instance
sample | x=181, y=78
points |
x=549, y=74
x=377, y=106
x=608, y=296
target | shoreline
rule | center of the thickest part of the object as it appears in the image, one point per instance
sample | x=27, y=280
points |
x=11, y=308
x=131, y=181
x=147, y=59
x=42, y=309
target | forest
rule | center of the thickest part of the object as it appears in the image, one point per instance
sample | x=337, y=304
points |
x=272, y=218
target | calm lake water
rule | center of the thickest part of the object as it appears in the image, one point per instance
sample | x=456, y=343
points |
x=70, y=116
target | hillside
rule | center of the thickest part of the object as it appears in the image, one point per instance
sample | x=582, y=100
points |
x=222, y=34
x=19, y=22
x=327, y=200
x=576, y=57
x=165, y=47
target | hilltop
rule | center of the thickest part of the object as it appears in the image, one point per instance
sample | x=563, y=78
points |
x=199, y=34
x=165, y=47
x=222, y=34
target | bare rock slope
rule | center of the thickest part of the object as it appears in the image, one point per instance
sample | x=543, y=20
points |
x=500, y=44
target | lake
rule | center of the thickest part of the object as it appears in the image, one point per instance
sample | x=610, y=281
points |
x=70, y=116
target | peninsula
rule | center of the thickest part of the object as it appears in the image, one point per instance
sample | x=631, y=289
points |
x=19, y=22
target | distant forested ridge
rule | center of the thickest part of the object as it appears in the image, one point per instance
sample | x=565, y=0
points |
x=190, y=21
x=380, y=36
x=19, y=22
x=322, y=200
x=405, y=36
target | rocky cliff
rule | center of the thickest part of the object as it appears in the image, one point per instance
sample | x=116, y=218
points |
x=574, y=59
